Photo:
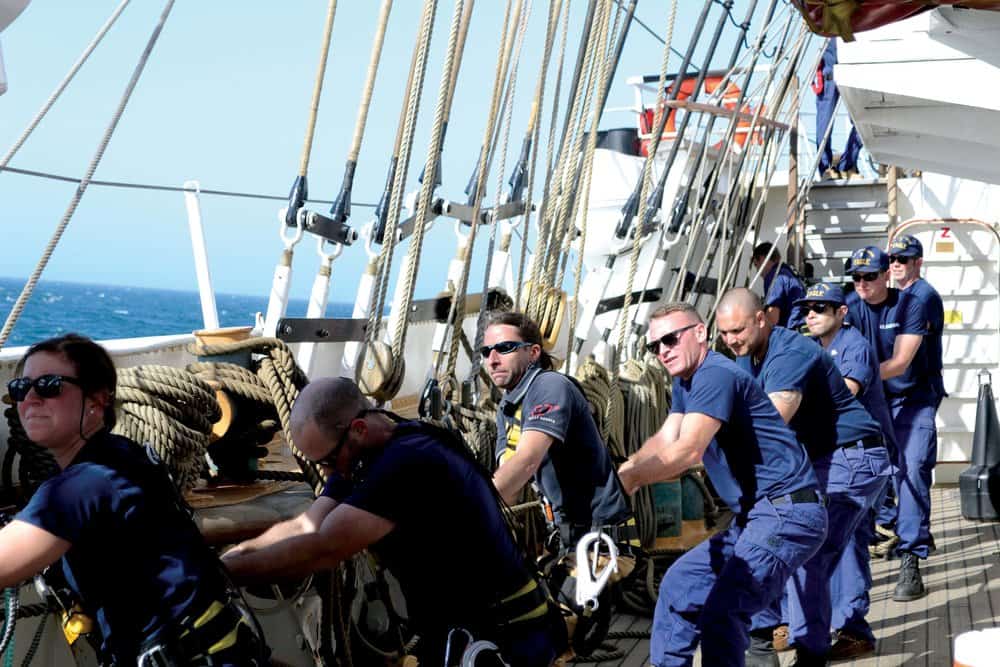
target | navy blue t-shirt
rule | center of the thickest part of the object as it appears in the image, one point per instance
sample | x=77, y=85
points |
x=753, y=446
x=828, y=414
x=934, y=308
x=782, y=288
x=855, y=359
x=450, y=550
x=137, y=560
x=900, y=313
x=577, y=475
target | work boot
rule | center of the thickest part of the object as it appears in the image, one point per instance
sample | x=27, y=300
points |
x=761, y=653
x=910, y=585
x=804, y=658
x=885, y=541
x=850, y=646
x=780, y=641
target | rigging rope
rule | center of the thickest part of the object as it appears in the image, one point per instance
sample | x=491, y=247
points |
x=331, y=11
x=63, y=84
x=29, y=287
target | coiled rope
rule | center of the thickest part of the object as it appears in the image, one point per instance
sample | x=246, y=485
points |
x=171, y=410
x=29, y=287
x=276, y=379
x=12, y=601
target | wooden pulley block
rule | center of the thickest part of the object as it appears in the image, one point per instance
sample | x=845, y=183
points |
x=378, y=371
x=552, y=318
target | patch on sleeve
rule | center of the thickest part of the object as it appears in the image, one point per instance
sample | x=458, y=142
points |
x=542, y=409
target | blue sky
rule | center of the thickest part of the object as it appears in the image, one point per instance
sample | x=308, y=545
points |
x=224, y=100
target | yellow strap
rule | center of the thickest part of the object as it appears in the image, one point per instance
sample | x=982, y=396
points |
x=228, y=640
x=210, y=613
x=534, y=613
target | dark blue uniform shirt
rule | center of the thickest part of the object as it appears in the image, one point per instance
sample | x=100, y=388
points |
x=137, y=559
x=753, y=446
x=934, y=308
x=855, y=358
x=900, y=313
x=828, y=414
x=450, y=550
x=782, y=288
x=577, y=475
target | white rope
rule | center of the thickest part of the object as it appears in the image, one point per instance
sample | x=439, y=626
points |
x=29, y=287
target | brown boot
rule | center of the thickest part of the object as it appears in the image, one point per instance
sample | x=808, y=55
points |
x=850, y=646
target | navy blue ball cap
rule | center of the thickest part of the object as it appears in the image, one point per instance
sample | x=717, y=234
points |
x=823, y=293
x=906, y=246
x=869, y=259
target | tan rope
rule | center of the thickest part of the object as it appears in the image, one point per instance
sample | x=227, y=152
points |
x=384, y=258
x=331, y=11
x=366, y=96
x=29, y=287
x=452, y=60
x=555, y=9
x=399, y=182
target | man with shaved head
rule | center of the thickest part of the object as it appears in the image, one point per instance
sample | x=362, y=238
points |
x=721, y=417
x=414, y=496
x=844, y=443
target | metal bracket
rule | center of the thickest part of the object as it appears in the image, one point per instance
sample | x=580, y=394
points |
x=321, y=330
x=463, y=213
x=437, y=309
x=617, y=302
x=332, y=230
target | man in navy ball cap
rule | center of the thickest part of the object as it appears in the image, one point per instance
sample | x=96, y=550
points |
x=895, y=322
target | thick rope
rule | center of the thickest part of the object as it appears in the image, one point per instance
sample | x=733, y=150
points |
x=452, y=60
x=63, y=84
x=366, y=95
x=412, y=107
x=331, y=11
x=29, y=287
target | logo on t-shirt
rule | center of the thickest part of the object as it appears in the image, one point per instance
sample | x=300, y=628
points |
x=889, y=325
x=542, y=409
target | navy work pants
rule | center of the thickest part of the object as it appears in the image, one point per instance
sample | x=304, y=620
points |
x=916, y=435
x=710, y=593
x=826, y=102
x=853, y=479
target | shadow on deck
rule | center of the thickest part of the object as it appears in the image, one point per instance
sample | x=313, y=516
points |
x=963, y=580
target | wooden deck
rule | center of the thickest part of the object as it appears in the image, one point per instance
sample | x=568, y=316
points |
x=963, y=580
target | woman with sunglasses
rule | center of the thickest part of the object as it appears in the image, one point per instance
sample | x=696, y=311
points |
x=129, y=551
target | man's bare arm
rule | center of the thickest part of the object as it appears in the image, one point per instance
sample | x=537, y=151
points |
x=307, y=522
x=661, y=457
x=787, y=402
x=344, y=532
x=853, y=385
x=903, y=351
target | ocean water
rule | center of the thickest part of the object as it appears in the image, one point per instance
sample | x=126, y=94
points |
x=111, y=311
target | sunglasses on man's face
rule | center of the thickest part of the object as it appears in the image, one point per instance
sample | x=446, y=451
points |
x=818, y=308
x=866, y=277
x=899, y=259
x=668, y=340
x=503, y=347
x=46, y=386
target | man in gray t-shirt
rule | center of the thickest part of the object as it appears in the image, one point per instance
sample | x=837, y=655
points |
x=546, y=433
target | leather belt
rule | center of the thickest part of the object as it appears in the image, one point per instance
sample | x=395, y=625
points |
x=870, y=442
x=808, y=494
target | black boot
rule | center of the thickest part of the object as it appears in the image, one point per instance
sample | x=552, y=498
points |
x=910, y=585
x=804, y=658
x=761, y=652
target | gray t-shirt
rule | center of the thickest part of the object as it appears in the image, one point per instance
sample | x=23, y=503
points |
x=577, y=475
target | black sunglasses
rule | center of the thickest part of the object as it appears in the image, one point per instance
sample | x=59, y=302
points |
x=668, y=339
x=46, y=386
x=867, y=277
x=330, y=460
x=899, y=259
x=503, y=347
x=818, y=308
